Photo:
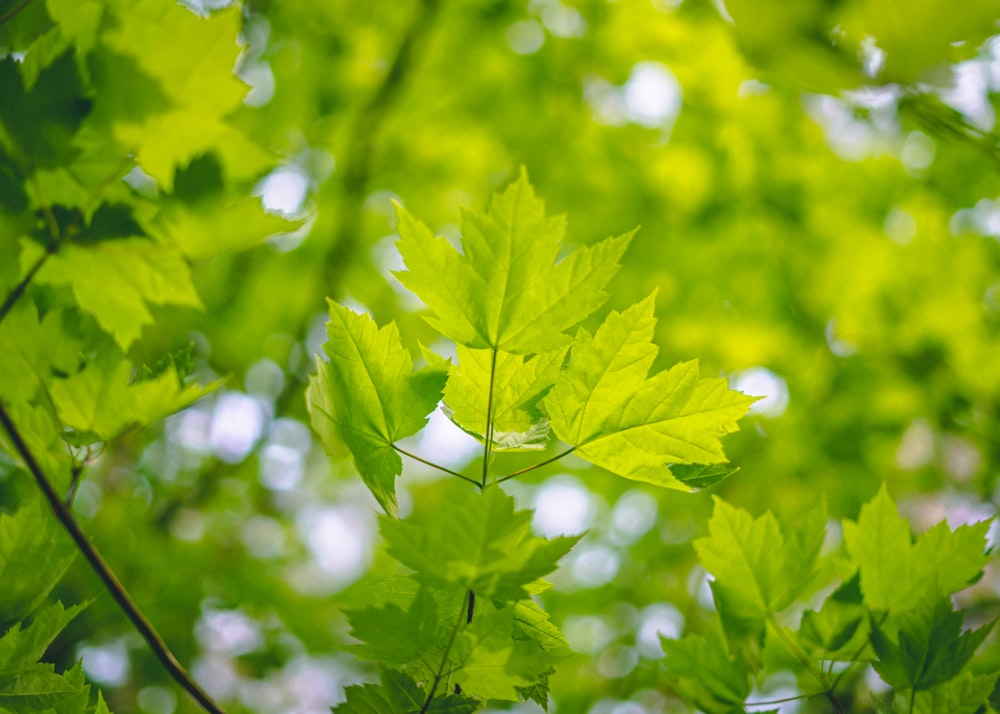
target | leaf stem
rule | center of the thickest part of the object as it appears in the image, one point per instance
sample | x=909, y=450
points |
x=9, y=15
x=447, y=651
x=432, y=465
x=19, y=289
x=104, y=572
x=802, y=657
x=539, y=465
x=488, y=440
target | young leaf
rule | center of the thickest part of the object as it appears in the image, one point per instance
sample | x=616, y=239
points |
x=20, y=648
x=475, y=542
x=895, y=573
x=39, y=689
x=756, y=570
x=489, y=663
x=840, y=628
x=100, y=400
x=701, y=671
x=33, y=557
x=399, y=694
x=375, y=397
x=396, y=636
x=965, y=694
x=504, y=290
x=518, y=386
x=604, y=405
x=929, y=648
x=31, y=349
x=117, y=281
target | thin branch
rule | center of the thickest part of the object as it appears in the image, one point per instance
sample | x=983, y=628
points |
x=488, y=436
x=539, y=465
x=74, y=483
x=854, y=657
x=444, y=658
x=97, y=563
x=19, y=289
x=359, y=148
x=431, y=464
x=802, y=657
x=797, y=697
x=9, y=15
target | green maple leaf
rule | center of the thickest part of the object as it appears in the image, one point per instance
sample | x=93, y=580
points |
x=199, y=84
x=756, y=570
x=369, y=396
x=702, y=672
x=475, y=542
x=604, y=405
x=397, y=636
x=929, y=646
x=102, y=400
x=896, y=573
x=518, y=382
x=489, y=663
x=34, y=554
x=38, y=122
x=504, y=290
x=839, y=629
x=398, y=693
x=20, y=648
x=31, y=349
x=964, y=694
x=116, y=281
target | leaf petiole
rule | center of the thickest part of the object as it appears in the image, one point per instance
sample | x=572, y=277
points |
x=539, y=465
x=432, y=465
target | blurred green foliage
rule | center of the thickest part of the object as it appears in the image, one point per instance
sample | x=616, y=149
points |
x=816, y=186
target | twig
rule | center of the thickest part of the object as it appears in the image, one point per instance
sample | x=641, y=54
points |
x=802, y=657
x=539, y=465
x=444, y=658
x=19, y=289
x=361, y=140
x=425, y=462
x=9, y=15
x=488, y=436
x=97, y=563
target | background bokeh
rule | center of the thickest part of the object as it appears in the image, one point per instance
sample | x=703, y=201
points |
x=816, y=186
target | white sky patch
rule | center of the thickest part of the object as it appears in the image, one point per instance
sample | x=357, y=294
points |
x=525, y=37
x=652, y=95
x=588, y=633
x=762, y=382
x=444, y=443
x=340, y=540
x=284, y=190
x=228, y=632
x=594, y=565
x=106, y=664
x=563, y=506
x=656, y=620
x=632, y=517
x=237, y=424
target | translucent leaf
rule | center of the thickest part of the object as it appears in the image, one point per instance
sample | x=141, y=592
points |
x=895, y=572
x=504, y=290
x=702, y=672
x=21, y=647
x=604, y=405
x=519, y=383
x=34, y=554
x=475, y=542
x=117, y=281
x=929, y=647
x=373, y=396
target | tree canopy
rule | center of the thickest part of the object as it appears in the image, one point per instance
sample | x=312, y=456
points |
x=276, y=277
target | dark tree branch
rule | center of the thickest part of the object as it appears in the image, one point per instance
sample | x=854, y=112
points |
x=104, y=572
